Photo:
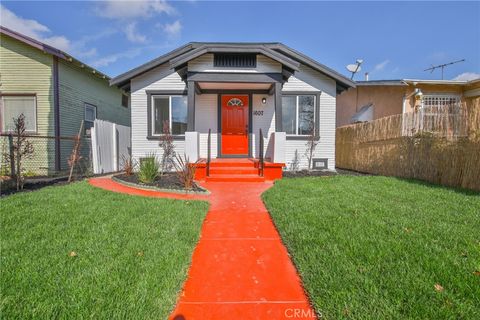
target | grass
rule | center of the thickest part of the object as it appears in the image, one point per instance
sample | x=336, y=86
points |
x=132, y=253
x=375, y=247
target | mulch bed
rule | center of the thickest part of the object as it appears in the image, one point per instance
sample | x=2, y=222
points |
x=325, y=173
x=169, y=181
x=32, y=184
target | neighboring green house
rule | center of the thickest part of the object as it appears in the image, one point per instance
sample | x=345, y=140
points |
x=55, y=92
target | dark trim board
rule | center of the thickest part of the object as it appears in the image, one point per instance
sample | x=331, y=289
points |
x=167, y=92
x=235, y=77
x=233, y=91
x=56, y=113
x=176, y=137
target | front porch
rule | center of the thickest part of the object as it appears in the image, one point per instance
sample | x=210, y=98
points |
x=234, y=132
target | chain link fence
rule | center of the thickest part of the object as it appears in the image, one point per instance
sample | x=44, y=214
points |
x=46, y=160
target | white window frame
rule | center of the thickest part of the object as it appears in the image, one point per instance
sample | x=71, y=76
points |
x=152, y=113
x=87, y=105
x=18, y=95
x=297, y=99
x=440, y=96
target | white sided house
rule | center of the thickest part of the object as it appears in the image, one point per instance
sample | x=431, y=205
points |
x=240, y=93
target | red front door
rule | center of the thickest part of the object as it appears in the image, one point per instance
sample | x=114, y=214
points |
x=234, y=125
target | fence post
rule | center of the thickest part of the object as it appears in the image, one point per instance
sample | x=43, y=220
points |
x=115, y=147
x=12, y=156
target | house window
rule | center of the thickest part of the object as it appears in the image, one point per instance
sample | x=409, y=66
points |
x=171, y=110
x=90, y=116
x=234, y=60
x=124, y=100
x=13, y=106
x=298, y=114
x=439, y=101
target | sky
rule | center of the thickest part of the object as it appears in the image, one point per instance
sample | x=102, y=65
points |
x=396, y=40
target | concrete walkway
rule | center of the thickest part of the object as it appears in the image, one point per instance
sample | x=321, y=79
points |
x=240, y=268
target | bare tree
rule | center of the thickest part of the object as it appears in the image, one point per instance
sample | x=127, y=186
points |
x=75, y=156
x=311, y=145
x=21, y=148
x=168, y=148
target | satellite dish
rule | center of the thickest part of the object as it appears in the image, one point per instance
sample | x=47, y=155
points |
x=354, y=68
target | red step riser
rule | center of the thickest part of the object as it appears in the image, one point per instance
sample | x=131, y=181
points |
x=225, y=171
x=226, y=178
x=232, y=164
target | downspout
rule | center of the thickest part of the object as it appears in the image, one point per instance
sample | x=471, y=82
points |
x=56, y=113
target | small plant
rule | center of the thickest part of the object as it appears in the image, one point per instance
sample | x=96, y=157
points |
x=185, y=171
x=21, y=148
x=295, y=164
x=30, y=173
x=149, y=169
x=128, y=165
x=168, y=148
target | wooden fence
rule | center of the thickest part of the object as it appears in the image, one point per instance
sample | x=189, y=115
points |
x=437, y=145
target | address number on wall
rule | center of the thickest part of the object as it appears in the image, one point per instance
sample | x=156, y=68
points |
x=258, y=113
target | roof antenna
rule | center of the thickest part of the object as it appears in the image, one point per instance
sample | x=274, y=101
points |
x=442, y=66
x=354, y=68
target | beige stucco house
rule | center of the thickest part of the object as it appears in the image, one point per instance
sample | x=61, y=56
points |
x=371, y=100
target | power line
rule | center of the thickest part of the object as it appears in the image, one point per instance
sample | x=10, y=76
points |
x=432, y=68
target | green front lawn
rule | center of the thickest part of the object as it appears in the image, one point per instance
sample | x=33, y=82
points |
x=382, y=248
x=80, y=252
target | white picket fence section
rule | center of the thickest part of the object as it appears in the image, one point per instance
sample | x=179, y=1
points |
x=111, y=143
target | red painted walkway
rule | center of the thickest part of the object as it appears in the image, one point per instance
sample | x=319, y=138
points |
x=240, y=268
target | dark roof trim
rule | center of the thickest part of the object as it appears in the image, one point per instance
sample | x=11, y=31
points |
x=342, y=81
x=32, y=42
x=124, y=78
x=277, y=51
x=50, y=50
x=183, y=59
x=400, y=83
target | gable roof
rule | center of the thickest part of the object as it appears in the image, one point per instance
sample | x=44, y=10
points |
x=277, y=51
x=49, y=49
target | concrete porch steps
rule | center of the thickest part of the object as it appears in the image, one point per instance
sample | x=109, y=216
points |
x=234, y=170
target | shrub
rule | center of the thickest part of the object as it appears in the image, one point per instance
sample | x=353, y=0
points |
x=149, y=169
x=185, y=171
x=128, y=165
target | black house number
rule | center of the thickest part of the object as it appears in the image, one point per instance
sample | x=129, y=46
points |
x=258, y=113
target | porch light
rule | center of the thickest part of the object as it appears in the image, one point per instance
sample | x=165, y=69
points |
x=264, y=100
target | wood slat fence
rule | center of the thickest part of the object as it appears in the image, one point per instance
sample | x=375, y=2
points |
x=439, y=145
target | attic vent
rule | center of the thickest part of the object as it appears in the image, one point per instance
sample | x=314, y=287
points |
x=235, y=60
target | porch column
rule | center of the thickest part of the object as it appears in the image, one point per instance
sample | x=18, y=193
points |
x=278, y=107
x=191, y=106
x=192, y=145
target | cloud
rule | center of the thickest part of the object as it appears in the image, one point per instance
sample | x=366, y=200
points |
x=381, y=66
x=133, y=35
x=107, y=60
x=173, y=29
x=467, y=76
x=33, y=29
x=123, y=10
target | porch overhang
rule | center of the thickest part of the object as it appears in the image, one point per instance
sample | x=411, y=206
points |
x=234, y=87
